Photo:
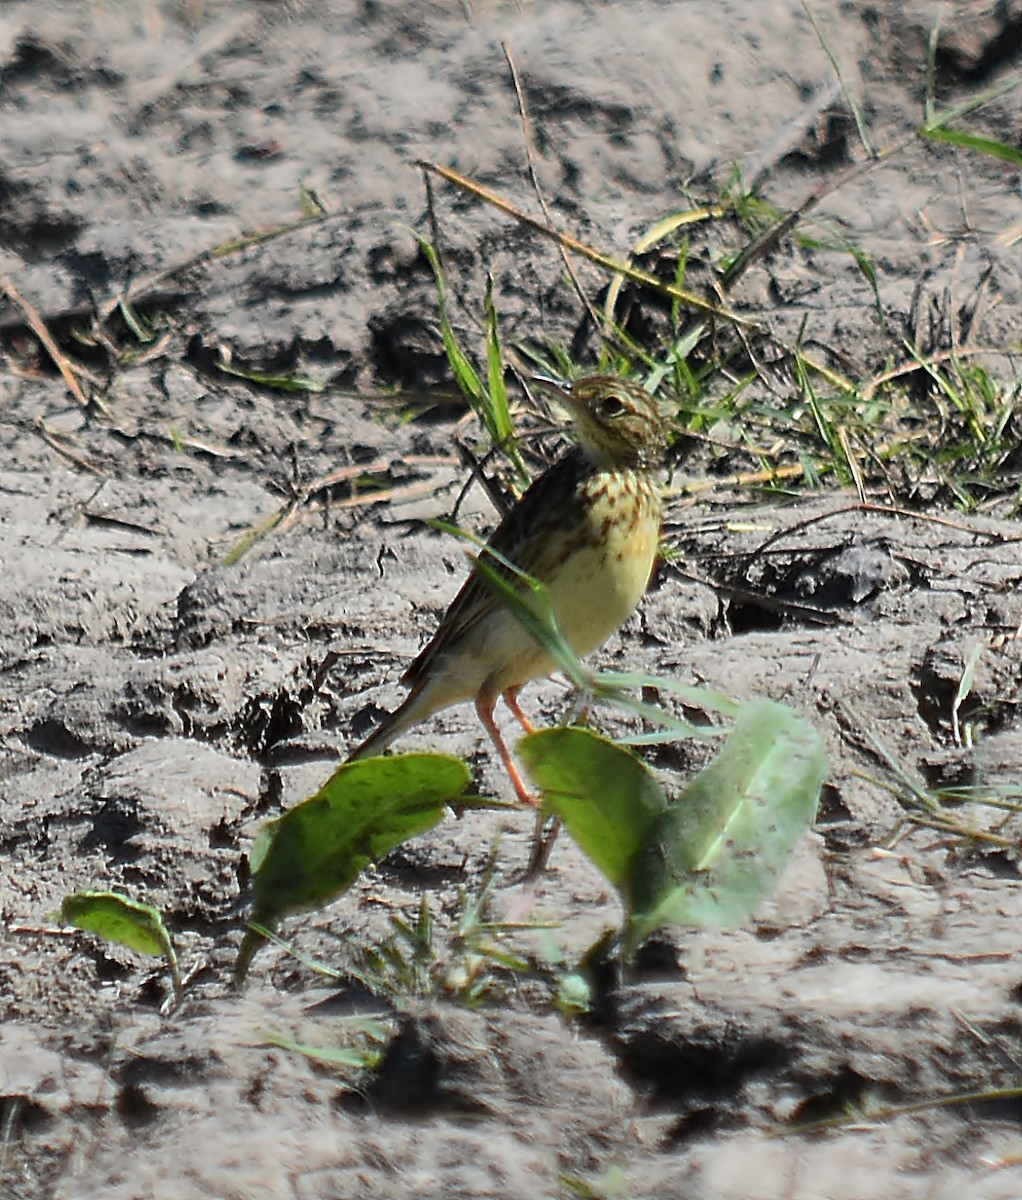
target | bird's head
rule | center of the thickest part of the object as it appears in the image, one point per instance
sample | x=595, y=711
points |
x=617, y=423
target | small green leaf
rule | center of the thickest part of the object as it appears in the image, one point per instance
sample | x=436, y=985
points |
x=574, y=994
x=331, y=1056
x=717, y=852
x=127, y=922
x=608, y=800
x=316, y=850
x=138, y=926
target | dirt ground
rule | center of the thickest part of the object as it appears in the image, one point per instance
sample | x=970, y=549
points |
x=157, y=701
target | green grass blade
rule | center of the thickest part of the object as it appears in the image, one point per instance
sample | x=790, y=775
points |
x=972, y=141
x=697, y=697
x=465, y=374
x=975, y=101
x=499, y=409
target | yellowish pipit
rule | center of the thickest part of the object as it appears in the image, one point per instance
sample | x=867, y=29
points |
x=588, y=529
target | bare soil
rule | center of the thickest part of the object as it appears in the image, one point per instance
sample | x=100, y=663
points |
x=158, y=700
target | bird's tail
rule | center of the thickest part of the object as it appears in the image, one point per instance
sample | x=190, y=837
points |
x=375, y=743
x=407, y=714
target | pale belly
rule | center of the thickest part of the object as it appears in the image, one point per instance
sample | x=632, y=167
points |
x=593, y=593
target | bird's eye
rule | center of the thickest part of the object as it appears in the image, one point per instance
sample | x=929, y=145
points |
x=612, y=406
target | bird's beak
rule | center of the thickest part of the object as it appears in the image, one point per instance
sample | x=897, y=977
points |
x=561, y=389
x=548, y=381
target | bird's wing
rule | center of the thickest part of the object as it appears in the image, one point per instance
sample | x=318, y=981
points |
x=520, y=538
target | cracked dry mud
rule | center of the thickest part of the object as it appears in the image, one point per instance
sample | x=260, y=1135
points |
x=156, y=704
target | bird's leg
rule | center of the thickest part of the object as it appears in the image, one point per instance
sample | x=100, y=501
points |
x=484, y=707
x=511, y=700
x=543, y=839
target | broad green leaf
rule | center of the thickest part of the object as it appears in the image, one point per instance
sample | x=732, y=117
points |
x=138, y=926
x=127, y=922
x=608, y=800
x=317, y=849
x=719, y=849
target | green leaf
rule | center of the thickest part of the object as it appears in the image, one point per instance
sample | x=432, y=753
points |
x=717, y=852
x=138, y=926
x=316, y=850
x=127, y=922
x=608, y=800
x=574, y=994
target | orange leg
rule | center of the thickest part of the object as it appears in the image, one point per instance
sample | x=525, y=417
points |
x=485, y=707
x=511, y=700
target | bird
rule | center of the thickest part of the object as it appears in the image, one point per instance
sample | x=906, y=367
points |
x=588, y=528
